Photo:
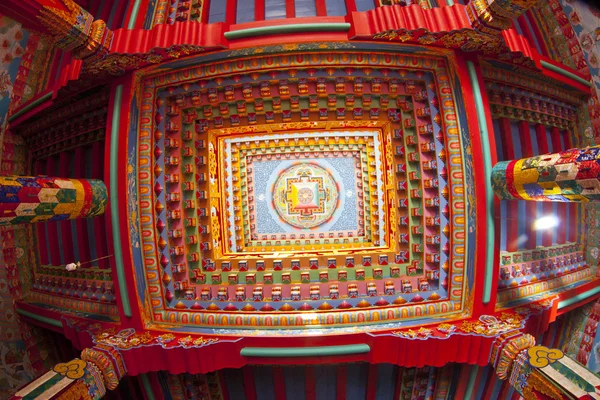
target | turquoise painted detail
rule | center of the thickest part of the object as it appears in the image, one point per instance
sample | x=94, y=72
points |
x=489, y=194
x=147, y=387
x=134, y=14
x=565, y=73
x=40, y=318
x=114, y=196
x=30, y=106
x=578, y=298
x=305, y=351
x=471, y=381
x=450, y=2
x=291, y=28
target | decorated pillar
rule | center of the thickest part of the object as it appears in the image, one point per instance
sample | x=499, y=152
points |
x=537, y=372
x=73, y=28
x=27, y=199
x=99, y=369
x=569, y=176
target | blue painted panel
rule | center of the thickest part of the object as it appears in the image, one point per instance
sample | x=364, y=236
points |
x=386, y=381
x=356, y=382
x=534, y=143
x=335, y=7
x=295, y=385
x=216, y=12
x=498, y=137
x=245, y=11
x=364, y=5
x=522, y=215
x=325, y=381
x=235, y=383
x=274, y=9
x=263, y=380
x=305, y=8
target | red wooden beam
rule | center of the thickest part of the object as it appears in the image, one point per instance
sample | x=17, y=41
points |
x=536, y=31
x=512, y=207
x=290, y=9
x=83, y=238
x=530, y=206
x=341, y=374
x=279, y=383
x=249, y=386
x=350, y=6
x=231, y=12
x=321, y=8
x=259, y=10
x=310, y=385
x=372, y=382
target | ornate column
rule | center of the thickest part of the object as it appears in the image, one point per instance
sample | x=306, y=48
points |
x=537, y=372
x=73, y=28
x=100, y=368
x=569, y=176
x=493, y=16
x=27, y=199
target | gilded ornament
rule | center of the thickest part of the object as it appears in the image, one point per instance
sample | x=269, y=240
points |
x=73, y=369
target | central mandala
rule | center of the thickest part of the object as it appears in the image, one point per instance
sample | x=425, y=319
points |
x=305, y=195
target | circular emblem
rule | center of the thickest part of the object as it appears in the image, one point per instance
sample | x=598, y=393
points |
x=305, y=195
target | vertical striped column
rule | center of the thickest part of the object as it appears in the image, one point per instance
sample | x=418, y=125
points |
x=542, y=139
x=512, y=208
x=530, y=208
x=561, y=208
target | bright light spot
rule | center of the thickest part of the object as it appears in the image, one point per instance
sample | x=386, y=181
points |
x=521, y=240
x=349, y=193
x=261, y=197
x=545, y=222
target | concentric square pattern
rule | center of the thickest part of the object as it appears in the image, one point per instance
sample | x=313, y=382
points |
x=276, y=191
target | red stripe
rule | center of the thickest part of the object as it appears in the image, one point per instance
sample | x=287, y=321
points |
x=279, y=383
x=259, y=10
x=372, y=382
x=489, y=384
x=526, y=31
x=530, y=206
x=573, y=222
x=231, y=12
x=249, y=386
x=340, y=392
x=290, y=9
x=310, y=386
x=398, y=385
x=350, y=6
x=462, y=381
x=321, y=8
x=537, y=33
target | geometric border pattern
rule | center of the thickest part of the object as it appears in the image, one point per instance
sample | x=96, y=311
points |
x=457, y=278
